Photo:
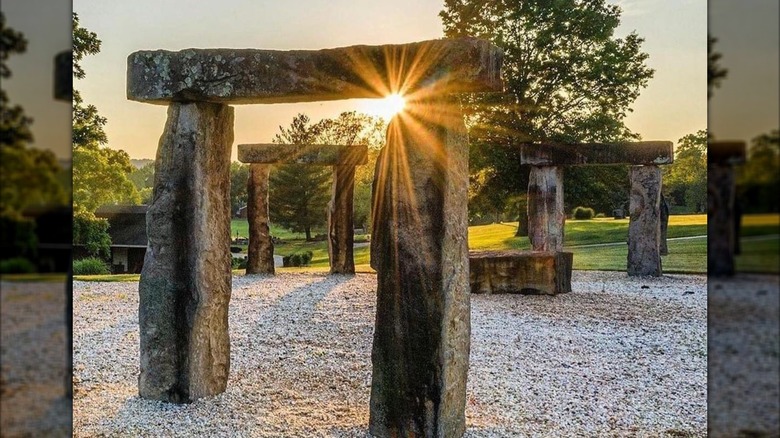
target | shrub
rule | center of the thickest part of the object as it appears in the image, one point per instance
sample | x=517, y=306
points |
x=236, y=263
x=16, y=265
x=600, y=215
x=92, y=232
x=298, y=259
x=90, y=266
x=17, y=235
x=581, y=213
x=235, y=249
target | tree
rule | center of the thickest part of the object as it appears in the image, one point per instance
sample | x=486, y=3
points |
x=27, y=175
x=100, y=174
x=758, y=180
x=143, y=180
x=91, y=232
x=239, y=173
x=715, y=74
x=685, y=180
x=299, y=193
x=567, y=79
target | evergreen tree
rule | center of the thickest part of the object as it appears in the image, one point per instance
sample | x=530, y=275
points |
x=299, y=194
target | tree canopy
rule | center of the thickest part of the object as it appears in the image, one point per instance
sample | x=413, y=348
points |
x=28, y=176
x=685, y=180
x=758, y=179
x=567, y=78
x=100, y=174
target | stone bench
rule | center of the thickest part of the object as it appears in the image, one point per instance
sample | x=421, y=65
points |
x=520, y=272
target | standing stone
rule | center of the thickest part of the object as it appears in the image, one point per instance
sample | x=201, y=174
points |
x=721, y=233
x=644, y=227
x=545, y=208
x=421, y=344
x=663, y=246
x=341, y=238
x=260, y=257
x=184, y=288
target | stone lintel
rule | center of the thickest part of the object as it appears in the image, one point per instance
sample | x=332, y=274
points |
x=315, y=154
x=725, y=152
x=583, y=154
x=251, y=76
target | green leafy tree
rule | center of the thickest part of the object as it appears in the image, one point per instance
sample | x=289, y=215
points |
x=143, y=180
x=715, y=73
x=758, y=180
x=685, y=180
x=91, y=232
x=28, y=176
x=239, y=173
x=100, y=174
x=299, y=194
x=567, y=79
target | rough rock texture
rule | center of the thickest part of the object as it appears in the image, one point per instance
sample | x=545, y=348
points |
x=642, y=152
x=644, y=227
x=322, y=154
x=239, y=76
x=545, y=208
x=185, y=282
x=341, y=237
x=663, y=247
x=523, y=272
x=721, y=233
x=260, y=254
x=421, y=344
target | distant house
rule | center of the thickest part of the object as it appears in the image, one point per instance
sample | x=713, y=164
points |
x=127, y=228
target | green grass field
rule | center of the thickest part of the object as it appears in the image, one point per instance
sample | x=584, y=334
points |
x=685, y=256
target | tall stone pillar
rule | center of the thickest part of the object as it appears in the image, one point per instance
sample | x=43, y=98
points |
x=721, y=232
x=421, y=344
x=185, y=282
x=644, y=227
x=545, y=208
x=341, y=238
x=260, y=257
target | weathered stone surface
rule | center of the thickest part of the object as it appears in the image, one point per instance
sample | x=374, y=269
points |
x=642, y=152
x=644, y=227
x=260, y=254
x=243, y=76
x=315, y=154
x=184, y=288
x=725, y=152
x=545, y=208
x=421, y=345
x=721, y=232
x=341, y=238
x=664, y=209
x=63, y=76
x=520, y=272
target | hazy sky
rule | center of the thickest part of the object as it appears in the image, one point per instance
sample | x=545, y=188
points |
x=47, y=26
x=673, y=105
x=746, y=104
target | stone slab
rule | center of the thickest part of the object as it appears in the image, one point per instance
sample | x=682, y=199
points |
x=583, y=154
x=185, y=283
x=251, y=76
x=726, y=152
x=420, y=353
x=520, y=272
x=314, y=154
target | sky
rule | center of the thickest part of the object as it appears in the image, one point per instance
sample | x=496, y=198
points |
x=673, y=105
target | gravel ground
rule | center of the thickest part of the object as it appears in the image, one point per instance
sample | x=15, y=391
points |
x=744, y=364
x=619, y=356
x=33, y=357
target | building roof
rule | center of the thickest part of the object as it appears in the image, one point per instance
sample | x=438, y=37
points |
x=127, y=224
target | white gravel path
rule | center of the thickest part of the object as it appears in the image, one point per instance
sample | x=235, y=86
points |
x=619, y=356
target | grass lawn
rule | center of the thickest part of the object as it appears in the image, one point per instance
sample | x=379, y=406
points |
x=54, y=277
x=685, y=256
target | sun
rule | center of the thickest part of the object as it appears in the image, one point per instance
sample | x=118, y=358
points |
x=386, y=107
